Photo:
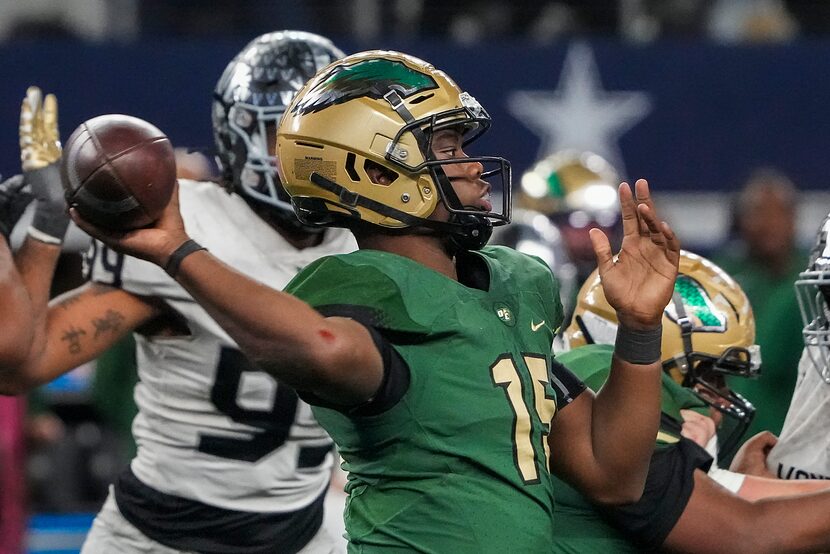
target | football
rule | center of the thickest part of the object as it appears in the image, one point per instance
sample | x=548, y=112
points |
x=118, y=171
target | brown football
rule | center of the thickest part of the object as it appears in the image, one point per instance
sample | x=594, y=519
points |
x=118, y=171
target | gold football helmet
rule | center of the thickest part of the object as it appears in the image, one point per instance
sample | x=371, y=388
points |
x=568, y=181
x=380, y=109
x=577, y=191
x=708, y=333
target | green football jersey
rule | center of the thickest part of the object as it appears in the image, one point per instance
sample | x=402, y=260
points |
x=579, y=527
x=459, y=463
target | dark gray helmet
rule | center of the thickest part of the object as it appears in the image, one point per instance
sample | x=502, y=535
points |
x=249, y=99
x=813, y=291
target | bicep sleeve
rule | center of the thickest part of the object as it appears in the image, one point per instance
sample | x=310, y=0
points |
x=567, y=385
x=395, y=381
x=669, y=486
x=396, y=375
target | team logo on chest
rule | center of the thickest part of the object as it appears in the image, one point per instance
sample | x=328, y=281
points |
x=505, y=314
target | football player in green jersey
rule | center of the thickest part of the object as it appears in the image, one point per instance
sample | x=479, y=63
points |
x=689, y=504
x=426, y=355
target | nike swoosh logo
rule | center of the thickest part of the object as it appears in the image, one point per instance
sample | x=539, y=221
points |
x=536, y=326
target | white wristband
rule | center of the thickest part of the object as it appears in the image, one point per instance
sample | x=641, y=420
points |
x=728, y=479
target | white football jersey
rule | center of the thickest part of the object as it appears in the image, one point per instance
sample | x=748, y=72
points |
x=803, y=449
x=210, y=426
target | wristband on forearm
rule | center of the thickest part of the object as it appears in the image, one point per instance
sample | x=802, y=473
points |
x=638, y=347
x=187, y=247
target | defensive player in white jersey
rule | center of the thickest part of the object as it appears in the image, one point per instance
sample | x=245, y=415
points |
x=229, y=460
x=803, y=449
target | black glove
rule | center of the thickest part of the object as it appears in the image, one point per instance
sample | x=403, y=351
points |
x=40, y=152
x=14, y=197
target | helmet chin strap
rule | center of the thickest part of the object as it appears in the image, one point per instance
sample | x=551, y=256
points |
x=470, y=231
x=686, y=328
x=739, y=407
x=468, y=240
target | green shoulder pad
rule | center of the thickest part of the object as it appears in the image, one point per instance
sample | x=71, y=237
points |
x=591, y=363
x=519, y=270
x=357, y=282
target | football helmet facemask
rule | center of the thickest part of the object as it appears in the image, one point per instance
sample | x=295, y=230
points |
x=380, y=108
x=249, y=99
x=813, y=291
x=708, y=334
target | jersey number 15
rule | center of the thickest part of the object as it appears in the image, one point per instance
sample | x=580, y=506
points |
x=505, y=373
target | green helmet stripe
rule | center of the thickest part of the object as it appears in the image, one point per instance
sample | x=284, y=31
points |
x=555, y=189
x=368, y=78
x=697, y=302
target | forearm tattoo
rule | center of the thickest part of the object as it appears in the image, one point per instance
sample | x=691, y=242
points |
x=73, y=337
x=110, y=323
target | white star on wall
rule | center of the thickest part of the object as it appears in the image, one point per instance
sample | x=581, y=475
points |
x=579, y=114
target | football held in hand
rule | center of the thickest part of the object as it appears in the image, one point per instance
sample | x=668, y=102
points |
x=118, y=171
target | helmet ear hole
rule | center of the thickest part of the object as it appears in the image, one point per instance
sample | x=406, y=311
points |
x=377, y=173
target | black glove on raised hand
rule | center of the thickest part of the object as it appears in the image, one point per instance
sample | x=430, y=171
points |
x=40, y=153
x=14, y=197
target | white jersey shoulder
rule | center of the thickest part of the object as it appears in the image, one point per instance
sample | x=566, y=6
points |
x=210, y=427
x=803, y=449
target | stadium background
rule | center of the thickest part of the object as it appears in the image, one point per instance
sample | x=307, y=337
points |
x=693, y=95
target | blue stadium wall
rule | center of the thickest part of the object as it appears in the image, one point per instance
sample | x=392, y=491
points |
x=715, y=112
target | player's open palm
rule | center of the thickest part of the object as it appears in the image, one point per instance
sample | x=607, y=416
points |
x=639, y=281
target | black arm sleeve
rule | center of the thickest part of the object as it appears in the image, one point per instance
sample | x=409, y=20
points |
x=669, y=486
x=566, y=384
x=395, y=380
